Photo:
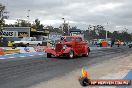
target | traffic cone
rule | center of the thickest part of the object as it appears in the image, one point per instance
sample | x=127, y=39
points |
x=84, y=73
x=84, y=80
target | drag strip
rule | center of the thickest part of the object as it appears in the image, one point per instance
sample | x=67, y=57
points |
x=26, y=72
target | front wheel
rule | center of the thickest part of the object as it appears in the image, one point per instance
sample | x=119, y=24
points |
x=71, y=55
x=48, y=55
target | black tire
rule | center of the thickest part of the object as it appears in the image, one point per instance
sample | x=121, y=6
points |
x=48, y=55
x=87, y=54
x=71, y=55
x=129, y=46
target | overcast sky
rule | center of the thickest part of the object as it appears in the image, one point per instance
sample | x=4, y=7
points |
x=80, y=13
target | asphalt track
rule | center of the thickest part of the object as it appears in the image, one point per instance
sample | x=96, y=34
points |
x=25, y=72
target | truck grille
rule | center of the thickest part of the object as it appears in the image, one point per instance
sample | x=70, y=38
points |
x=58, y=47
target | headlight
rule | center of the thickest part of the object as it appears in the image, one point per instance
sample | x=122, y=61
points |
x=65, y=46
x=52, y=47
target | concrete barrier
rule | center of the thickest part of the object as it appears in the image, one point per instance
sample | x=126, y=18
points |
x=40, y=48
x=11, y=51
x=26, y=49
x=8, y=50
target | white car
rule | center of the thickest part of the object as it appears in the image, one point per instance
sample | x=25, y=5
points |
x=26, y=41
x=130, y=45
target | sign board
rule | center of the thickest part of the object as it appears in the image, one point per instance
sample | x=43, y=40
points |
x=21, y=31
x=9, y=34
x=39, y=48
x=23, y=34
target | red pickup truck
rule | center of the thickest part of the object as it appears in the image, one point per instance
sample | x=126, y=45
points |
x=69, y=46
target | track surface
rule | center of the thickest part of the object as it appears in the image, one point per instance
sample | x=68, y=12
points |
x=22, y=73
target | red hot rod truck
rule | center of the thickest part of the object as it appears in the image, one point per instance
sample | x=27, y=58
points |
x=69, y=46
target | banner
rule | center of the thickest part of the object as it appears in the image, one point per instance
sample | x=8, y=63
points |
x=26, y=49
x=9, y=34
x=23, y=34
x=11, y=51
x=40, y=48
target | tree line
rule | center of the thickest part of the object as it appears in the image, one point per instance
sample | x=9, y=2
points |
x=99, y=32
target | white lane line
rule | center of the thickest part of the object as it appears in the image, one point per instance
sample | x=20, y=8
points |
x=40, y=54
x=11, y=57
x=31, y=55
x=22, y=56
x=2, y=58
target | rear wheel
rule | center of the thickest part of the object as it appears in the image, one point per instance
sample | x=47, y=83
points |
x=48, y=55
x=71, y=55
x=87, y=54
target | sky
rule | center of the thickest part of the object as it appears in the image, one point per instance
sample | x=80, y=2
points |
x=113, y=14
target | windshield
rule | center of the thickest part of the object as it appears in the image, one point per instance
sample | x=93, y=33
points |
x=67, y=39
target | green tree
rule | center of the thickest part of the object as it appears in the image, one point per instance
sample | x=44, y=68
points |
x=2, y=16
x=95, y=32
x=22, y=23
x=38, y=25
x=65, y=29
x=99, y=32
x=51, y=28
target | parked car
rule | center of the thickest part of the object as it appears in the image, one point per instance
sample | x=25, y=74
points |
x=27, y=41
x=130, y=45
x=69, y=46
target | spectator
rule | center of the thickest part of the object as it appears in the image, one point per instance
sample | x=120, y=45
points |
x=118, y=43
x=10, y=44
x=100, y=43
x=112, y=43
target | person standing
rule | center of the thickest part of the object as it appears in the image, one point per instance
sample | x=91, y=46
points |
x=100, y=43
x=112, y=42
x=118, y=43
